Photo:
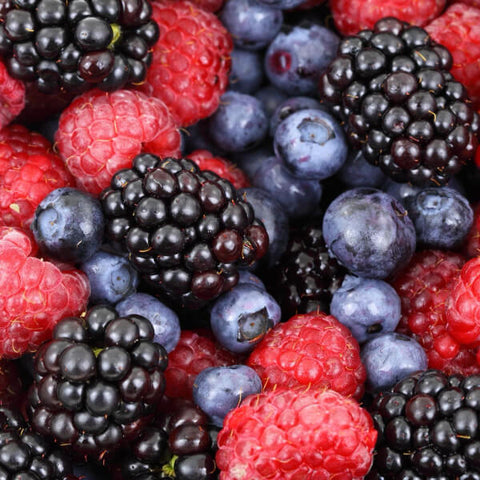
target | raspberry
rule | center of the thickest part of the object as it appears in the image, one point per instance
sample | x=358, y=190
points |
x=351, y=16
x=209, y=5
x=463, y=304
x=12, y=97
x=472, y=242
x=296, y=434
x=28, y=172
x=34, y=294
x=194, y=352
x=222, y=167
x=458, y=29
x=191, y=60
x=311, y=349
x=100, y=133
x=424, y=287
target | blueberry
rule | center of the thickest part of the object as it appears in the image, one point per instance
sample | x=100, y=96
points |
x=217, y=390
x=442, y=217
x=239, y=123
x=251, y=160
x=111, y=277
x=295, y=59
x=368, y=307
x=270, y=212
x=164, y=320
x=391, y=357
x=197, y=137
x=312, y=144
x=270, y=97
x=299, y=197
x=246, y=73
x=369, y=232
x=68, y=225
x=247, y=277
x=283, y=4
x=358, y=172
x=252, y=25
x=241, y=317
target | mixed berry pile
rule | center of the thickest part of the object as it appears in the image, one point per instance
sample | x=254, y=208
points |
x=239, y=239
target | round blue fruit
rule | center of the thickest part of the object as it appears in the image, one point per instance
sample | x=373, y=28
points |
x=249, y=278
x=246, y=73
x=369, y=232
x=283, y=4
x=358, y=172
x=270, y=97
x=251, y=160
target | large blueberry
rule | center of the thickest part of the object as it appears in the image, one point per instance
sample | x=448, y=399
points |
x=241, y=317
x=251, y=160
x=312, y=143
x=68, y=225
x=249, y=278
x=246, y=73
x=369, y=232
x=283, y=4
x=270, y=97
x=358, y=172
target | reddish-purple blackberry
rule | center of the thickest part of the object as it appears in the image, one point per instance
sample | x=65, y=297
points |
x=97, y=381
x=428, y=428
x=74, y=45
x=393, y=89
x=185, y=230
x=25, y=455
x=306, y=276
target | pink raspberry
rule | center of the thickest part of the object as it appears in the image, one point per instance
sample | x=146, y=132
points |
x=12, y=96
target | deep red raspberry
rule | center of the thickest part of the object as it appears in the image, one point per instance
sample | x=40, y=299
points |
x=34, y=295
x=350, y=16
x=209, y=5
x=458, y=29
x=100, y=133
x=194, y=352
x=12, y=96
x=296, y=434
x=191, y=60
x=472, y=242
x=221, y=166
x=29, y=170
x=424, y=287
x=311, y=349
x=310, y=4
x=11, y=388
x=463, y=305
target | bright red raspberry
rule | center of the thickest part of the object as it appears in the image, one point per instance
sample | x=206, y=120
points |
x=209, y=5
x=458, y=29
x=350, y=16
x=100, y=133
x=221, y=166
x=12, y=96
x=191, y=60
x=424, y=287
x=472, y=242
x=34, y=295
x=296, y=434
x=463, y=305
x=310, y=349
x=29, y=170
x=11, y=388
x=194, y=352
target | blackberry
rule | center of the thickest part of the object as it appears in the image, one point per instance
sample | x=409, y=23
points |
x=428, y=427
x=70, y=46
x=392, y=88
x=180, y=444
x=97, y=381
x=306, y=276
x=185, y=230
x=26, y=455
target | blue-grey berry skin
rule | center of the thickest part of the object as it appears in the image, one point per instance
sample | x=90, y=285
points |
x=252, y=25
x=249, y=278
x=270, y=97
x=442, y=217
x=312, y=144
x=358, y=172
x=217, y=390
x=391, y=357
x=246, y=72
x=299, y=197
x=68, y=225
x=241, y=317
x=369, y=232
x=282, y=4
x=368, y=307
x=295, y=59
x=271, y=213
x=111, y=277
x=251, y=160
x=239, y=123
x=165, y=321
x=197, y=137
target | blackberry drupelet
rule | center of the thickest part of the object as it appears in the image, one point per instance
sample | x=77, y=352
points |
x=97, y=381
x=393, y=89
x=428, y=428
x=26, y=455
x=185, y=230
x=71, y=46
x=306, y=276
